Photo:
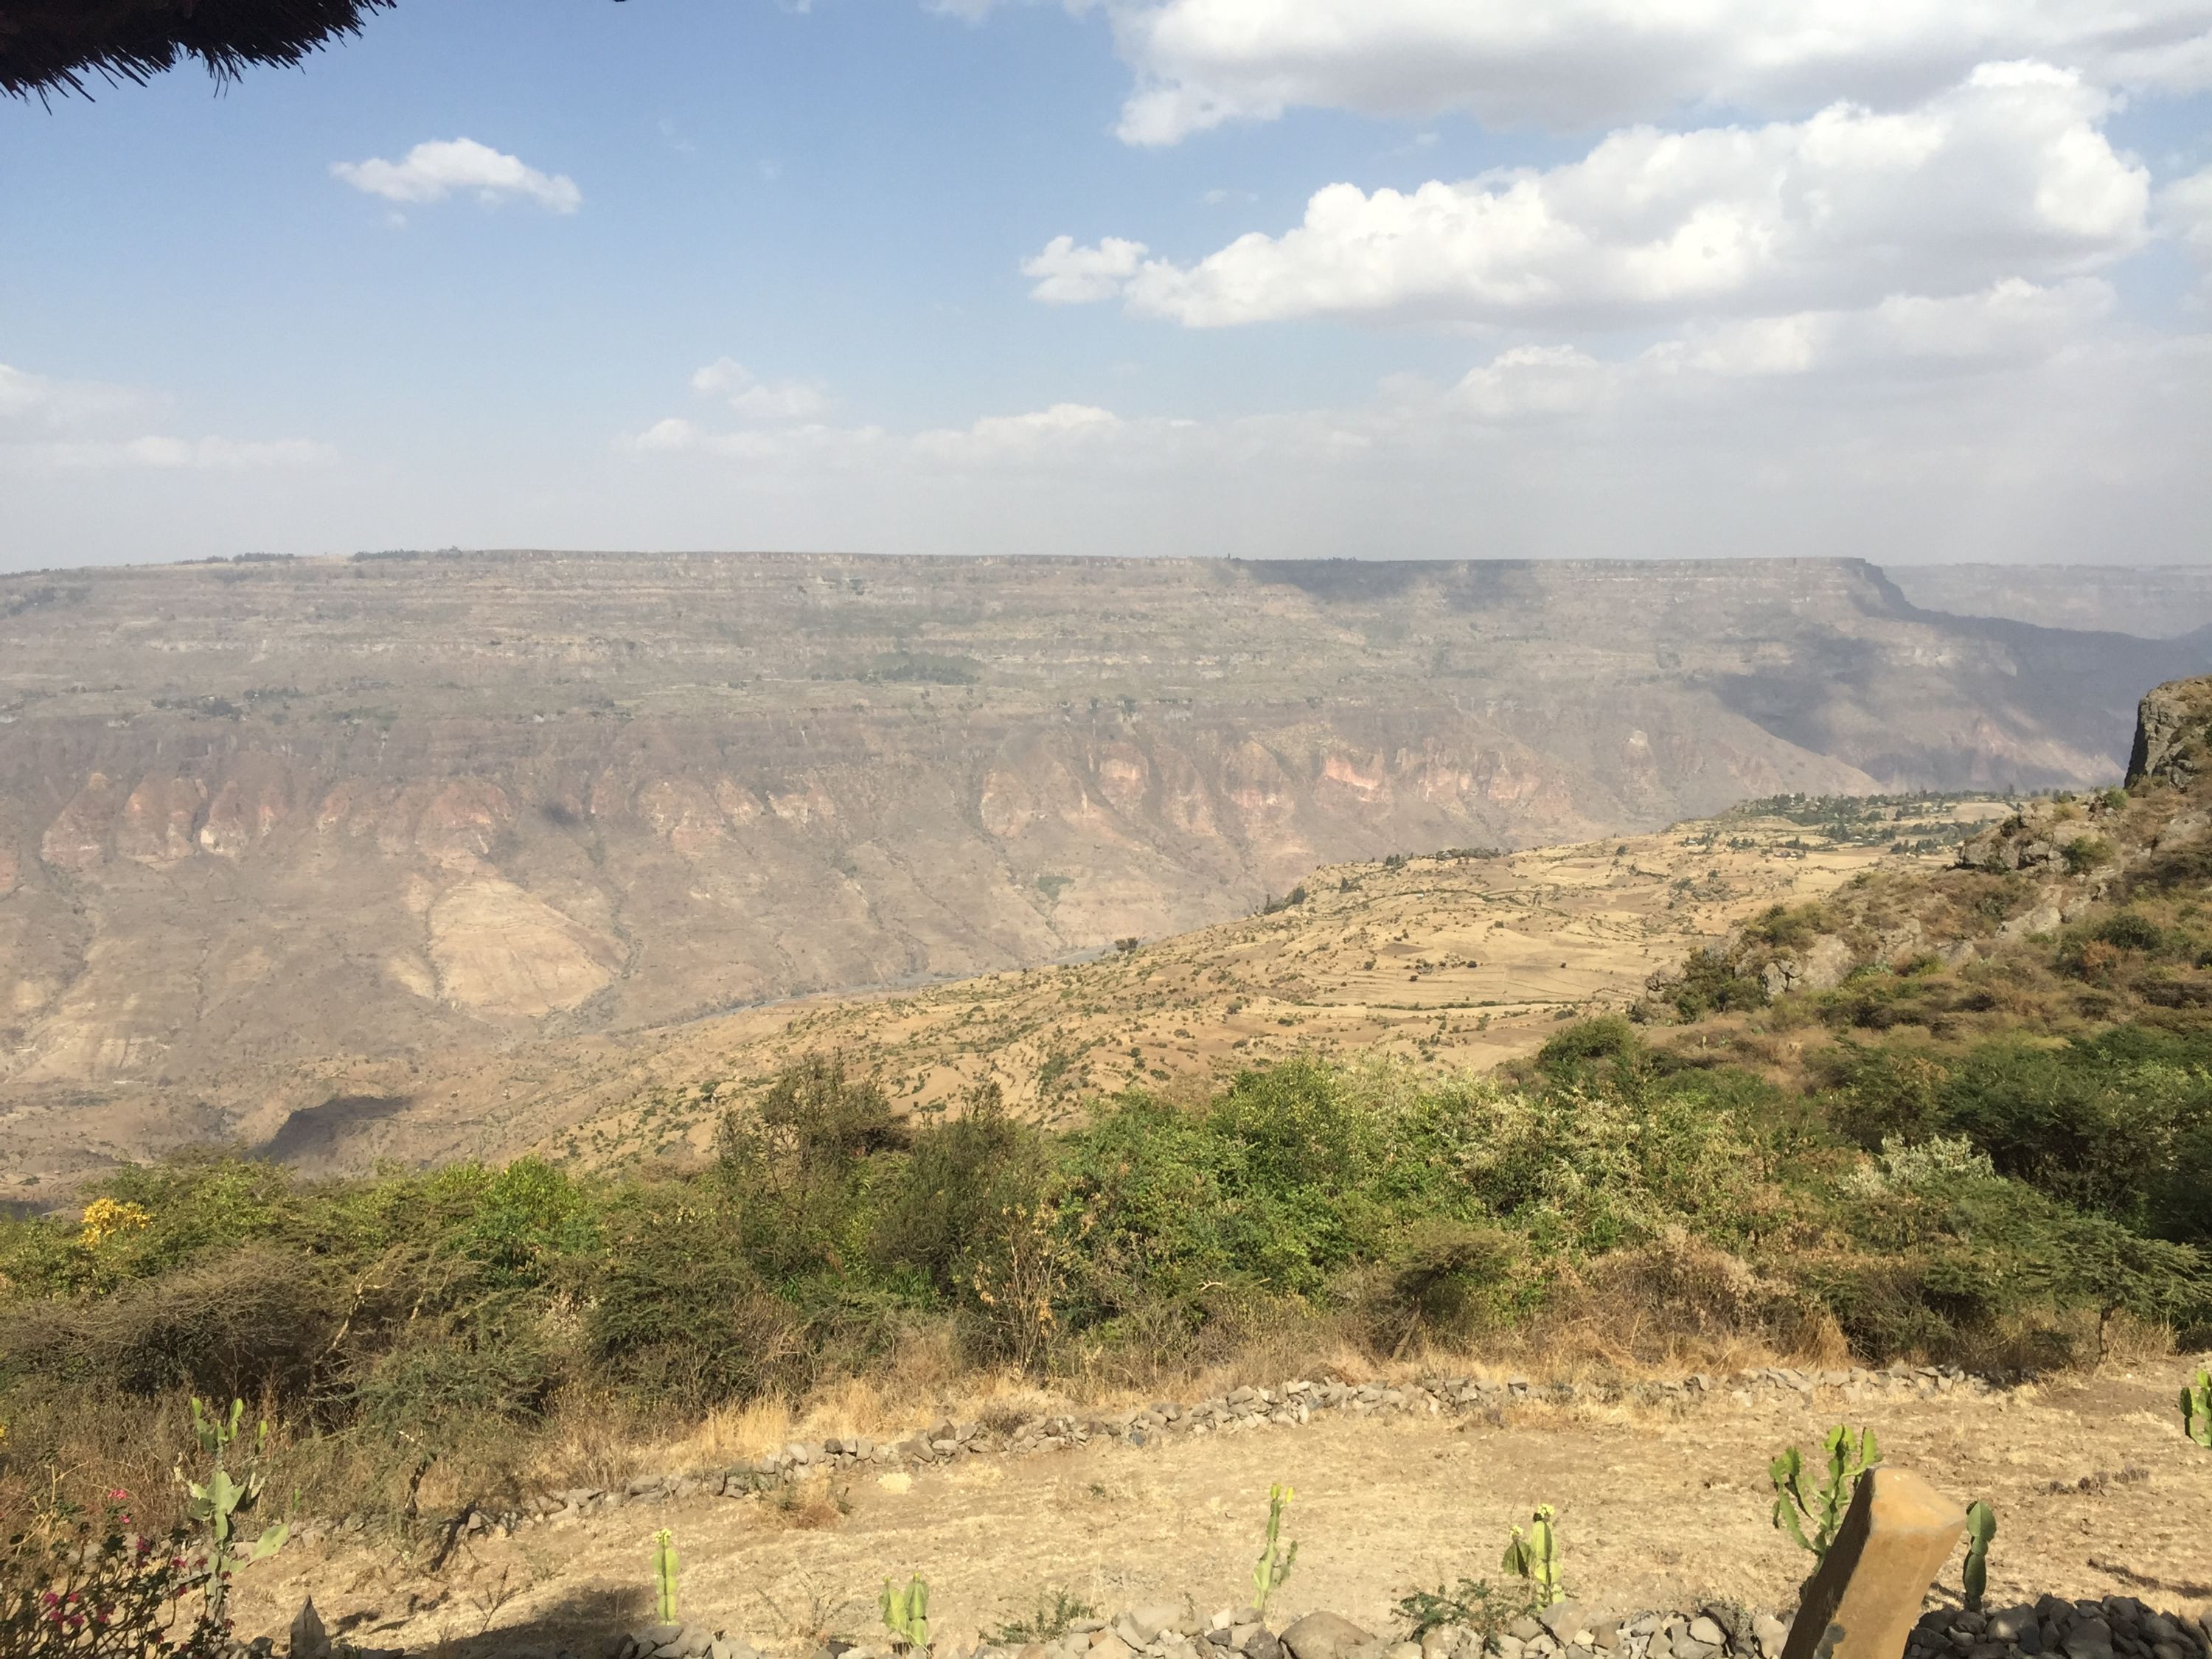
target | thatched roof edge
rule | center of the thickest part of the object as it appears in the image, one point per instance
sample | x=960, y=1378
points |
x=49, y=46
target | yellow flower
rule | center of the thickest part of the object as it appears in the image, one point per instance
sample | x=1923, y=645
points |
x=104, y=1218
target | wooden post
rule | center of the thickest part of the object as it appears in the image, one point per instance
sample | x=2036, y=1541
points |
x=1865, y=1598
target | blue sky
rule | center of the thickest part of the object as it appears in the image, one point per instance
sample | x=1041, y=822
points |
x=776, y=276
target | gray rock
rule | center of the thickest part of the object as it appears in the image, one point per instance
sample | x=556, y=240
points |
x=1324, y=1636
x=2006, y=1623
x=1703, y=1629
x=309, y=1639
x=1771, y=1633
x=692, y=1643
x=1564, y=1618
x=1526, y=1628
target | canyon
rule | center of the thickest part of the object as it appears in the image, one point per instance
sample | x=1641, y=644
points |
x=268, y=825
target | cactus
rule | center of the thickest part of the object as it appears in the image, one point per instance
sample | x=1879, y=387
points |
x=1848, y=1459
x=1274, y=1564
x=906, y=1612
x=216, y=1502
x=664, y=1573
x=1534, y=1554
x=1981, y=1528
x=2196, y=1411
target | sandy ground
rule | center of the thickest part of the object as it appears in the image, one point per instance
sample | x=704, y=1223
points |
x=2096, y=1491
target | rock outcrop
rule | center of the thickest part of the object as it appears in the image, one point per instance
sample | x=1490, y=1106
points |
x=2173, y=732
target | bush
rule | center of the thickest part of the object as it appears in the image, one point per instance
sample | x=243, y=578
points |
x=2086, y=852
x=1711, y=982
x=237, y=1325
x=1608, y=1036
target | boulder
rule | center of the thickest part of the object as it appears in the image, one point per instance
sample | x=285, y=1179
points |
x=1324, y=1636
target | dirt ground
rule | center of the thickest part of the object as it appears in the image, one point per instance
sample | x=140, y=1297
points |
x=2096, y=1489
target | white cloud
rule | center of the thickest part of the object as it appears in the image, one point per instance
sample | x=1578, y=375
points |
x=1579, y=63
x=1068, y=275
x=34, y=402
x=441, y=168
x=2184, y=213
x=2005, y=175
x=757, y=400
x=1064, y=428
x=48, y=425
x=164, y=454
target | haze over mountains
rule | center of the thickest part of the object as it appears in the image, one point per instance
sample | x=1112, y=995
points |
x=261, y=813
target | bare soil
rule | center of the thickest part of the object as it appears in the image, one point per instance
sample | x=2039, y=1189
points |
x=2096, y=1492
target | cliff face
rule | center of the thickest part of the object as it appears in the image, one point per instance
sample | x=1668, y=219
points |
x=255, y=814
x=2173, y=729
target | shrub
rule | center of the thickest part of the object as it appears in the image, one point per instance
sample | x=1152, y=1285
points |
x=1608, y=1036
x=2086, y=852
x=76, y=1586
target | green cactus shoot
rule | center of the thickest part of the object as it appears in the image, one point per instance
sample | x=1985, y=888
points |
x=1532, y=1553
x=664, y=1569
x=906, y=1612
x=216, y=1502
x=2196, y=1411
x=1849, y=1457
x=1275, y=1560
x=1981, y=1528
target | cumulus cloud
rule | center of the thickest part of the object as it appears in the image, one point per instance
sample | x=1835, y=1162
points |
x=1062, y=429
x=441, y=167
x=50, y=425
x=2185, y=212
x=2005, y=175
x=756, y=399
x=1580, y=63
x=1067, y=275
x=2011, y=422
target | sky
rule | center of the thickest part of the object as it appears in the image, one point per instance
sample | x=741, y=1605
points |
x=1912, y=280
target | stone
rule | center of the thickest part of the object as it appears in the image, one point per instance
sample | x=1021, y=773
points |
x=1105, y=1645
x=1151, y=1622
x=692, y=1643
x=1564, y=1618
x=1324, y=1636
x=1263, y=1644
x=1703, y=1629
x=1770, y=1633
x=1403, y=1650
x=1525, y=1628
x=2006, y=1623
x=2089, y=1638
x=1866, y=1596
x=309, y=1639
